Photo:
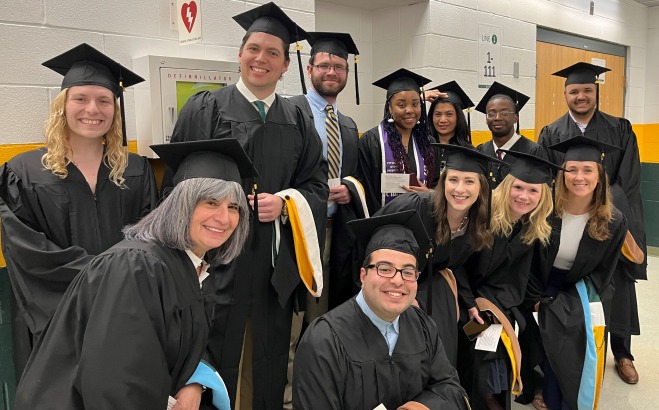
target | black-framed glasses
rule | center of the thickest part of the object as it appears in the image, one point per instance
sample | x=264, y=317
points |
x=503, y=114
x=387, y=270
x=338, y=68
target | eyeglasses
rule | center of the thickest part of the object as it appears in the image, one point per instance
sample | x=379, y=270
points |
x=387, y=270
x=338, y=68
x=502, y=114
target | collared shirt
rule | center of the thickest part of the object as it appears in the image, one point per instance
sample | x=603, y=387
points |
x=389, y=330
x=197, y=261
x=507, y=145
x=582, y=126
x=242, y=88
x=318, y=104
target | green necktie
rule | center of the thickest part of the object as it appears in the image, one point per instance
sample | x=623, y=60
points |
x=333, y=151
x=261, y=106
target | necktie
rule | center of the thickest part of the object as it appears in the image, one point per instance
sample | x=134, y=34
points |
x=261, y=106
x=500, y=155
x=333, y=152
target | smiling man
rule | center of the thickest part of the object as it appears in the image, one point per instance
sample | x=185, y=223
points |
x=257, y=295
x=624, y=171
x=376, y=349
x=501, y=106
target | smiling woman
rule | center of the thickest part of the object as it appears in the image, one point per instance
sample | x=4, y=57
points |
x=141, y=310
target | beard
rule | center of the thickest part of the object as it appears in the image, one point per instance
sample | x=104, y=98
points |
x=326, y=90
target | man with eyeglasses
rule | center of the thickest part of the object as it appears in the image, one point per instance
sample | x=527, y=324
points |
x=376, y=349
x=501, y=106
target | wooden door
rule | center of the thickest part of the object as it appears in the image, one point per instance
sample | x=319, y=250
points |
x=549, y=99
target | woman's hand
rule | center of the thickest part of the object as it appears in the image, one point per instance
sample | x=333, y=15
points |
x=474, y=315
x=410, y=188
x=432, y=95
x=189, y=397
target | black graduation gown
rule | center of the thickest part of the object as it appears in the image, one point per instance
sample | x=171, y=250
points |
x=451, y=255
x=624, y=171
x=343, y=362
x=561, y=321
x=344, y=261
x=523, y=144
x=287, y=152
x=52, y=227
x=130, y=330
x=500, y=275
x=370, y=167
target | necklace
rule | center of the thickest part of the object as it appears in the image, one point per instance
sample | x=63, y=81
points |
x=461, y=228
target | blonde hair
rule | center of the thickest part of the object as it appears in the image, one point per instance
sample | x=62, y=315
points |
x=55, y=159
x=600, y=214
x=479, y=236
x=535, y=222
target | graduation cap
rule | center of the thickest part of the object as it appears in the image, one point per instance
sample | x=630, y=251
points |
x=583, y=73
x=583, y=148
x=457, y=96
x=339, y=44
x=401, y=80
x=270, y=19
x=497, y=88
x=468, y=159
x=85, y=65
x=217, y=158
x=402, y=231
x=532, y=169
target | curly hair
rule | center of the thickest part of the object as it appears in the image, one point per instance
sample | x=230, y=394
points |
x=479, y=236
x=420, y=135
x=462, y=135
x=55, y=159
x=535, y=222
x=600, y=214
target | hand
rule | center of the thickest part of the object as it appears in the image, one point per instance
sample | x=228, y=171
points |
x=270, y=206
x=189, y=397
x=421, y=188
x=473, y=314
x=432, y=95
x=340, y=195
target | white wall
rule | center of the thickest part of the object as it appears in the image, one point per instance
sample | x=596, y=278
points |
x=32, y=31
x=651, y=74
x=438, y=38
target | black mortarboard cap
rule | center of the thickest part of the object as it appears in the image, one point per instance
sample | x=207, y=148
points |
x=85, y=65
x=467, y=159
x=532, y=169
x=401, y=231
x=497, y=88
x=401, y=80
x=455, y=94
x=581, y=73
x=218, y=158
x=270, y=19
x=584, y=148
x=339, y=44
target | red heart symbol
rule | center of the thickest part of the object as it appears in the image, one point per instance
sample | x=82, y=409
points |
x=189, y=15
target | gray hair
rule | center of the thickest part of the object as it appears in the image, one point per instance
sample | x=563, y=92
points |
x=169, y=223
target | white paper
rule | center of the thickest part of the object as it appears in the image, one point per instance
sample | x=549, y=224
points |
x=535, y=316
x=171, y=402
x=333, y=183
x=597, y=314
x=488, y=340
x=391, y=183
x=380, y=407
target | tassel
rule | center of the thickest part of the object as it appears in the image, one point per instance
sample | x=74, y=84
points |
x=469, y=125
x=298, y=47
x=255, y=192
x=356, y=80
x=603, y=180
x=428, y=270
x=123, y=111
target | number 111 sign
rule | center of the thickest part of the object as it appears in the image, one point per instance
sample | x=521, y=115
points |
x=489, y=55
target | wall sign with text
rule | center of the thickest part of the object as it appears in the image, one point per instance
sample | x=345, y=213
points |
x=489, y=55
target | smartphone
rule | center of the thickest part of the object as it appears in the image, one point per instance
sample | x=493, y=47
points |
x=472, y=329
x=414, y=181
